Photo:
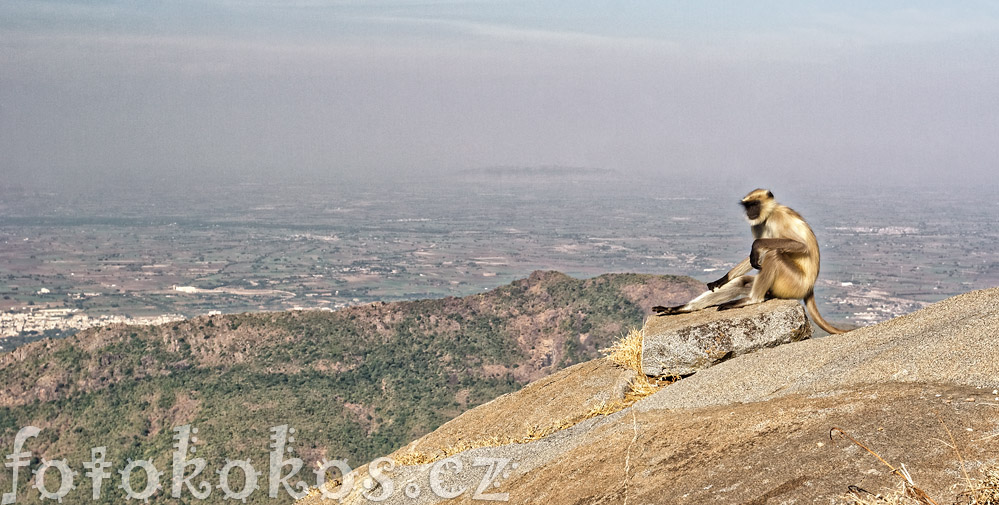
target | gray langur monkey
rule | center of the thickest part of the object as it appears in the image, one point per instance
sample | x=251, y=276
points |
x=786, y=254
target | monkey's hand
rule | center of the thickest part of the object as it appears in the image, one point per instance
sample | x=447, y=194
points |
x=756, y=257
x=719, y=283
x=666, y=311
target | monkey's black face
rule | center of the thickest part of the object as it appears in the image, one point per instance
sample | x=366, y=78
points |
x=752, y=208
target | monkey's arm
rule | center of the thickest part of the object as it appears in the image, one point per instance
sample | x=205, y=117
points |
x=782, y=245
x=741, y=269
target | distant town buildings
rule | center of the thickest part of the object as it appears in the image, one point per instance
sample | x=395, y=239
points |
x=40, y=320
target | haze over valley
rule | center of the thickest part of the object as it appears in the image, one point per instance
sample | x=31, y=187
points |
x=71, y=260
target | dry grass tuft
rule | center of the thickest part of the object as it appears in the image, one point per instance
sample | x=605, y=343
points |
x=908, y=490
x=422, y=458
x=627, y=353
x=984, y=491
x=859, y=496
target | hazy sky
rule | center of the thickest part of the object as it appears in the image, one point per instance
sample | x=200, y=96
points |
x=314, y=89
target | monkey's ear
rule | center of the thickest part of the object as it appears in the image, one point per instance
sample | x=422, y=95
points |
x=769, y=194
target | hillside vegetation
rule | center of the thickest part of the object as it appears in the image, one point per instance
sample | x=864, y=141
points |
x=355, y=384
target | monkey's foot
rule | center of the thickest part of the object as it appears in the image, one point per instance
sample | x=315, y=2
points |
x=667, y=311
x=734, y=304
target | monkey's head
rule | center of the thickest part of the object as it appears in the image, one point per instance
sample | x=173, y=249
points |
x=759, y=203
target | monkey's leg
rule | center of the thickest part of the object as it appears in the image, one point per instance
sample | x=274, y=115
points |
x=773, y=265
x=735, y=288
x=741, y=269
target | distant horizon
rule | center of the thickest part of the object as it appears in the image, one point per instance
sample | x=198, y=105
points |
x=706, y=184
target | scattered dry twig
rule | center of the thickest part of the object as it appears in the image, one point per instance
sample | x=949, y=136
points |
x=908, y=486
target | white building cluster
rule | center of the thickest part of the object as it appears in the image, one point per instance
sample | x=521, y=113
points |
x=16, y=323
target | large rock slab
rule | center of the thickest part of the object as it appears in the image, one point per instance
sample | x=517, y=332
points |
x=955, y=341
x=685, y=343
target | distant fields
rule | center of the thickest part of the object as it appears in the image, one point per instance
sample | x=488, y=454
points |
x=263, y=247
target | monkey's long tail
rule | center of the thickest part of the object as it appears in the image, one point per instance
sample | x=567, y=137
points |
x=813, y=312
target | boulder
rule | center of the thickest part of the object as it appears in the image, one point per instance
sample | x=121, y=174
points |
x=682, y=344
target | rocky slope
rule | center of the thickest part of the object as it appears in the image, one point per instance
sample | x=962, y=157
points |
x=919, y=390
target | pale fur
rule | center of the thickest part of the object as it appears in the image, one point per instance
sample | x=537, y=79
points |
x=791, y=274
x=783, y=222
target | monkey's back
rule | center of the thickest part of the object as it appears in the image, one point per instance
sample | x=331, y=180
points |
x=785, y=223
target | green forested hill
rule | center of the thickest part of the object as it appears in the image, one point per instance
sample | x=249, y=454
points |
x=354, y=384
